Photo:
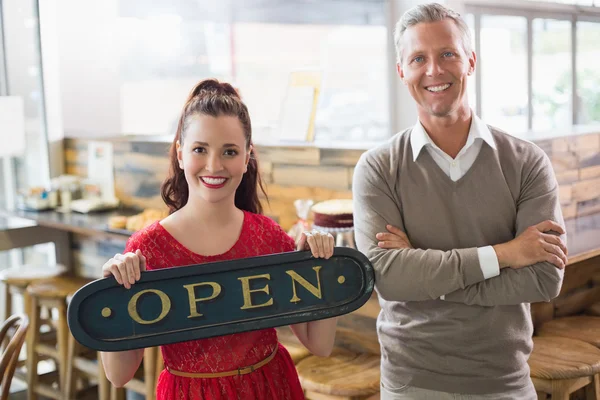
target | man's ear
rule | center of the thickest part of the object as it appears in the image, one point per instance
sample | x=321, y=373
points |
x=472, y=63
x=400, y=72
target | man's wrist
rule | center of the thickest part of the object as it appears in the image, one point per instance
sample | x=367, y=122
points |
x=501, y=253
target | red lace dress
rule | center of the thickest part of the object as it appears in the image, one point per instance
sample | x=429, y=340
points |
x=277, y=380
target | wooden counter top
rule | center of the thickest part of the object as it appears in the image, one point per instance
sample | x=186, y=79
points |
x=92, y=224
x=583, y=237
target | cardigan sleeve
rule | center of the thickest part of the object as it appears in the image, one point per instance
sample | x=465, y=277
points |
x=538, y=201
x=403, y=274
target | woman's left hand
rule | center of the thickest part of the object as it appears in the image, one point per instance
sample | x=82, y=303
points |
x=319, y=243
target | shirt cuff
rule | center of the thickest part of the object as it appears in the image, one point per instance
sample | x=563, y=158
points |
x=488, y=261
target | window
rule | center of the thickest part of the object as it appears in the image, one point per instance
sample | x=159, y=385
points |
x=162, y=49
x=527, y=61
x=588, y=75
x=552, y=74
x=353, y=59
x=472, y=84
x=20, y=40
x=504, y=72
x=23, y=78
x=575, y=2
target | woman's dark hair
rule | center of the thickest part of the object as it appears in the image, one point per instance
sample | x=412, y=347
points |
x=214, y=98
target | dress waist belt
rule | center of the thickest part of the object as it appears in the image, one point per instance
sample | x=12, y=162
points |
x=239, y=371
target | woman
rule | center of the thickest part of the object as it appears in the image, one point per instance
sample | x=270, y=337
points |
x=215, y=216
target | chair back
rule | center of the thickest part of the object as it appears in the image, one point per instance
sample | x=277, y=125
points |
x=16, y=326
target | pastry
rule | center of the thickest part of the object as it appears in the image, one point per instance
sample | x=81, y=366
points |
x=117, y=222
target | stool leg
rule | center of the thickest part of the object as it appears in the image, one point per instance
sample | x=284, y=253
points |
x=103, y=383
x=117, y=393
x=592, y=391
x=63, y=334
x=149, y=360
x=27, y=310
x=160, y=365
x=7, y=311
x=561, y=390
x=71, y=373
x=7, y=301
x=32, y=357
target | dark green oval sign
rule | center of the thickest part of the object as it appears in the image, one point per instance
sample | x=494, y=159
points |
x=200, y=301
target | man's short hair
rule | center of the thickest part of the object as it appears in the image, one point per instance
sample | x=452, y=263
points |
x=431, y=12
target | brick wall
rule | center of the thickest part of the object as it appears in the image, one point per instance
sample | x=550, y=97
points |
x=320, y=174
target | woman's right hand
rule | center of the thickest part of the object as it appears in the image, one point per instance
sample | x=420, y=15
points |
x=126, y=268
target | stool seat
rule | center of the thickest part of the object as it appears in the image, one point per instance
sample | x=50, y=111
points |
x=594, y=310
x=25, y=274
x=562, y=358
x=343, y=373
x=297, y=351
x=584, y=328
x=59, y=287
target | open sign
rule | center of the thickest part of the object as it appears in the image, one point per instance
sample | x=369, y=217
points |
x=199, y=301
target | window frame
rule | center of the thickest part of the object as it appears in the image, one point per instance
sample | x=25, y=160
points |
x=532, y=10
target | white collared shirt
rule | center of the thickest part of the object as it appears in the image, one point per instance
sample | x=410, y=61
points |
x=456, y=168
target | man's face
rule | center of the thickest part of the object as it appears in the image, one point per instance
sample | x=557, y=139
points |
x=434, y=67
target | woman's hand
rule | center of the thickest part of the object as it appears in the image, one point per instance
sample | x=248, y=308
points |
x=319, y=243
x=394, y=238
x=317, y=336
x=126, y=268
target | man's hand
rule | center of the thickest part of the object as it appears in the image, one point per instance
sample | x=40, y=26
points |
x=393, y=239
x=532, y=246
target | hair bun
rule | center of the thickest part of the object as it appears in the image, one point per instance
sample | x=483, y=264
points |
x=214, y=87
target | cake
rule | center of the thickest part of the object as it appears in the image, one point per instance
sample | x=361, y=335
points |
x=335, y=213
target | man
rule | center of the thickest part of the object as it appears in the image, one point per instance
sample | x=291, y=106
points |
x=463, y=226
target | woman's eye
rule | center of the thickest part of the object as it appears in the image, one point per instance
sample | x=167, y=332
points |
x=199, y=150
x=230, y=153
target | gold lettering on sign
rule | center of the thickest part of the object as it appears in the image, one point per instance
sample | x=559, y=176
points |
x=192, y=296
x=132, y=306
x=247, y=292
x=315, y=291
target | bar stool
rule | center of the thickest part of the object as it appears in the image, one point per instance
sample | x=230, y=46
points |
x=81, y=364
x=17, y=279
x=296, y=349
x=52, y=294
x=560, y=366
x=580, y=327
x=146, y=377
x=594, y=309
x=342, y=375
